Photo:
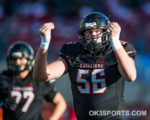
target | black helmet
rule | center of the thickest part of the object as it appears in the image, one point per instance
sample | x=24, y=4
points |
x=20, y=50
x=94, y=20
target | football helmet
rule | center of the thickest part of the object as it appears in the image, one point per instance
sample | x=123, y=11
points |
x=94, y=20
x=20, y=50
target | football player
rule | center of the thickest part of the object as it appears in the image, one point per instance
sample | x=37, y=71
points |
x=98, y=66
x=20, y=96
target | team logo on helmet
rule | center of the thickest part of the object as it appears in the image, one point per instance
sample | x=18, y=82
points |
x=93, y=24
x=17, y=54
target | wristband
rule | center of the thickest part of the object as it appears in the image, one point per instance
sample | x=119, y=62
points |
x=115, y=42
x=45, y=41
x=44, y=45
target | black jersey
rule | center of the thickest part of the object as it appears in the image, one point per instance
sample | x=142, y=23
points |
x=28, y=95
x=95, y=80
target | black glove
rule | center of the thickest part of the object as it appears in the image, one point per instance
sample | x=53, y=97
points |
x=8, y=103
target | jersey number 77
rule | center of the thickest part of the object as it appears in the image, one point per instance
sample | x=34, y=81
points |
x=27, y=95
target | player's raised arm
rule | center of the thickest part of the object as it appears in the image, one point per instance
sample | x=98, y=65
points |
x=41, y=71
x=126, y=64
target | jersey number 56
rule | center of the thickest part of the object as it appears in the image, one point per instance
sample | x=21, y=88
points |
x=96, y=83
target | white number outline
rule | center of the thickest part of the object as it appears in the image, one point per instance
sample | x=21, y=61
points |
x=18, y=95
x=86, y=89
x=94, y=80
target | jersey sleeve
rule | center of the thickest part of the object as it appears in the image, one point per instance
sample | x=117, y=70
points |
x=49, y=91
x=64, y=53
x=129, y=49
x=4, y=86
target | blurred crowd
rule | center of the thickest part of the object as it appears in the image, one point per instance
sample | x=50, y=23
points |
x=20, y=21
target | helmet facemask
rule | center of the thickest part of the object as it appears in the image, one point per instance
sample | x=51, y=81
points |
x=12, y=66
x=91, y=42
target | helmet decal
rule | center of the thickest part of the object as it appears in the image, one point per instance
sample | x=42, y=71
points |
x=17, y=54
x=90, y=24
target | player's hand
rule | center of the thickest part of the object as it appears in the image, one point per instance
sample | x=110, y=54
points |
x=9, y=103
x=114, y=28
x=46, y=28
x=45, y=33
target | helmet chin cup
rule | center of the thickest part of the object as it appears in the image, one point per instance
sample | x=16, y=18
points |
x=17, y=69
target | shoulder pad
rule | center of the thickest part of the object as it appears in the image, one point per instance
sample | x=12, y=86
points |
x=129, y=49
x=70, y=50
